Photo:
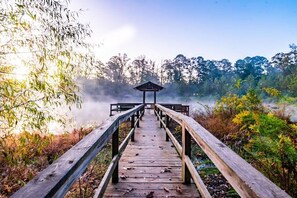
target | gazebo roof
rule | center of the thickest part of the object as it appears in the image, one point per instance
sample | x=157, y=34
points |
x=149, y=86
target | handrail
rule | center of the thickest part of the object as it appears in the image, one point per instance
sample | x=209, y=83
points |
x=245, y=179
x=56, y=179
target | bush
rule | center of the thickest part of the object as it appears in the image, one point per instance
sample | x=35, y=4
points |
x=263, y=138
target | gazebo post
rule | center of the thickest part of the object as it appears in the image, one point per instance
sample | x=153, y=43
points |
x=143, y=97
x=155, y=97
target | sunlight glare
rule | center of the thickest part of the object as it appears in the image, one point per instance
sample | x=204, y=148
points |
x=21, y=72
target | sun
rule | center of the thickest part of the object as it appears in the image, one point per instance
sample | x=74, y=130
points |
x=20, y=72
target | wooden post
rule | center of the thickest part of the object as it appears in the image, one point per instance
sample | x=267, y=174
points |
x=158, y=112
x=143, y=99
x=115, y=151
x=167, y=124
x=132, y=126
x=161, y=118
x=186, y=150
x=137, y=116
x=155, y=97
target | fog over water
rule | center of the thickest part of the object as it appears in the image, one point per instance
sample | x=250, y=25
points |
x=95, y=109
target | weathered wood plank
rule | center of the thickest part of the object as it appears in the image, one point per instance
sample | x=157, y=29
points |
x=143, y=193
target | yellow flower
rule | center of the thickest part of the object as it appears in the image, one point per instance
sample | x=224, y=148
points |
x=270, y=114
x=239, y=117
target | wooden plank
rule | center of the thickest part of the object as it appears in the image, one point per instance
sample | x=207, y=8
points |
x=152, y=186
x=143, y=193
x=122, y=189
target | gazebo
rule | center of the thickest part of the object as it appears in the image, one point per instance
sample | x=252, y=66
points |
x=149, y=87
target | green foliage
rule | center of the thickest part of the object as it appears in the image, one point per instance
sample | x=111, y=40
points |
x=273, y=144
x=270, y=142
x=43, y=49
x=272, y=91
x=229, y=106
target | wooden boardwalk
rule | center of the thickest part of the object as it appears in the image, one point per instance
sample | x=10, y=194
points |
x=150, y=166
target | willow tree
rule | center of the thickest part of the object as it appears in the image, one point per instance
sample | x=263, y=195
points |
x=42, y=50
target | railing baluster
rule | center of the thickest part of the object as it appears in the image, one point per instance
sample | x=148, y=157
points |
x=137, y=116
x=167, y=125
x=161, y=114
x=186, y=151
x=115, y=151
x=132, y=126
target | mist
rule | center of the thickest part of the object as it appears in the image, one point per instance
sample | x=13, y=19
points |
x=97, y=97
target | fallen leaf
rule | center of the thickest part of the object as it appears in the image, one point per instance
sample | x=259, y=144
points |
x=136, y=154
x=150, y=194
x=166, y=189
x=129, y=190
x=122, y=176
x=130, y=162
x=128, y=168
x=166, y=170
x=179, y=190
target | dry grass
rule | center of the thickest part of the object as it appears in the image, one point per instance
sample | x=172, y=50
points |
x=219, y=125
x=23, y=156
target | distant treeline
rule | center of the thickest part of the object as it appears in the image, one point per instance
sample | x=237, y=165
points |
x=197, y=76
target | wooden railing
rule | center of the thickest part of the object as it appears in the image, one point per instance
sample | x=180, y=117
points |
x=57, y=178
x=119, y=107
x=245, y=179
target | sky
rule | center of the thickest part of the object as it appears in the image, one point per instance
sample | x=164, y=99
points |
x=214, y=29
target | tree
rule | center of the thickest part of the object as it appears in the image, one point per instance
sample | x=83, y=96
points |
x=287, y=64
x=142, y=70
x=116, y=68
x=255, y=66
x=42, y=50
